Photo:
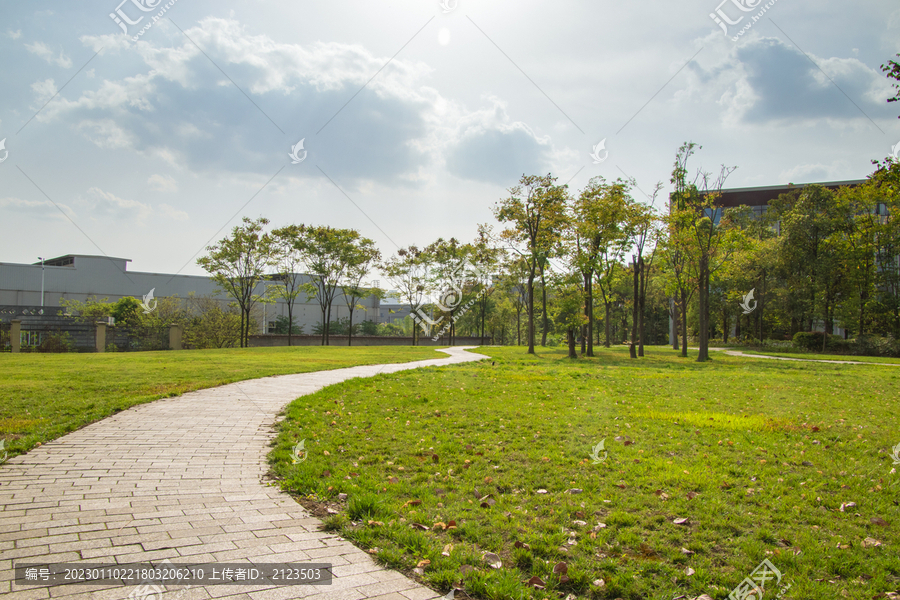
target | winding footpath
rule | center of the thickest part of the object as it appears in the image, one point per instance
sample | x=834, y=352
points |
x=182, y=479
x=812, y=360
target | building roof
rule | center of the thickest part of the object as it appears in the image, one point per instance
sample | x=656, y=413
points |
x=761, y=196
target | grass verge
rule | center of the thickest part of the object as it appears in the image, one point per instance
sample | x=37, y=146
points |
x=814, y=356
x=707, y=470
x=45, y=396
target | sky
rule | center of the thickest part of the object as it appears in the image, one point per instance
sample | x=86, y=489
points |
x=146, y=129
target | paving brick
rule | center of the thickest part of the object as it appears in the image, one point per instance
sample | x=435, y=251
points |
x=179, y=479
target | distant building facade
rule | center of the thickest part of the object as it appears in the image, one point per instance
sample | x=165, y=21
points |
x=81, y=277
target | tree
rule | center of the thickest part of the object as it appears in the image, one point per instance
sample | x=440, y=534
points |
x=596, y=225
x=535, y=209
x=329, y=253
x=642, y=226
x=208, y=325
x=569, y=307
x=813, y=226
x=363, y=255
x=485, y=256
x=697, y=221
x=892, y=70
x=287, y=259
x=237, y=265
x=407, y=271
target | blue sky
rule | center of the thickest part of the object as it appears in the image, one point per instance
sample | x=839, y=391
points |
x=415, y=117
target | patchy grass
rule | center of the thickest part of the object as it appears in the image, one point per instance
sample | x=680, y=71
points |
x=758, y=456
x=45, y=396
x=816, y=356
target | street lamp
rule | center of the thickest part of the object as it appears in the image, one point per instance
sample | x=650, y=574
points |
x=41, y=258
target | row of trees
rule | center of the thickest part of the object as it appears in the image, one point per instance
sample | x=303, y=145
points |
x=331, y=260
x=603, y=267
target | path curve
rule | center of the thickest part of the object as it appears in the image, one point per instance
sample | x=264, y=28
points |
x=812, y=360
x=181, y=479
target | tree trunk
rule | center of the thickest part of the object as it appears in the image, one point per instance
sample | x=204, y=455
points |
x=673, y=311
x=290, y=323
x=724, y=324
x=350, y=329
x=641, y=307
x=589, y=309
x=544, y=320
x=530, y=310
x=703, y=300
x=684, y=340
x=607, y=322
x=632, y=350
x=518, y=326
x=570, y=333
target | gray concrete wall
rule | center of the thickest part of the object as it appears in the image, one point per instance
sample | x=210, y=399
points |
x=270, y=340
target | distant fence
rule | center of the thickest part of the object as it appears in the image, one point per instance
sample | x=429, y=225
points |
x=46, y=333
x=270, y=339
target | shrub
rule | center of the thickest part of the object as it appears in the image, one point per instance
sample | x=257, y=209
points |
x=57, y=342
x=811, y=341
x=865, y=345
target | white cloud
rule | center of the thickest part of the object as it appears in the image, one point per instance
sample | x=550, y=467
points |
x=102, y=203
x=173, y=213
x=43, y=50
x=106, y=133
x=14, y=35
x=162, y=183
x=37, y=208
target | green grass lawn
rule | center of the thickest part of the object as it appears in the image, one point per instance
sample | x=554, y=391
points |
x=814, y=356
x=44, y=396
x=757, y=456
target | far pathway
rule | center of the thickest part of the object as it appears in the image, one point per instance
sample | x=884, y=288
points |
x=181, y=479
x=813, y=360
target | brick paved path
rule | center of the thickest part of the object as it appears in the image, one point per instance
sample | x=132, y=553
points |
x=181, y=479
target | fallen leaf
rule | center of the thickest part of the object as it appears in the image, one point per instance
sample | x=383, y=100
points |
x=686, y=552
x=493, y=560
x=878, y=521
x=488, y=479
x=536, y=582
x=412, y=503
x=522, y=545
x=423, y=563
x=680, y=521
x=574, y=491
x=419, y=526
x=691, y=495
x=435, y=458
x=393, y=480
x=466, y=569
x=870, y=543
x=447, y=550
x=599, y=583
x=689, y=571
x=439, y=526
x=541, y=491
x=847, y=505
x=560, y=568
x=451, y=524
